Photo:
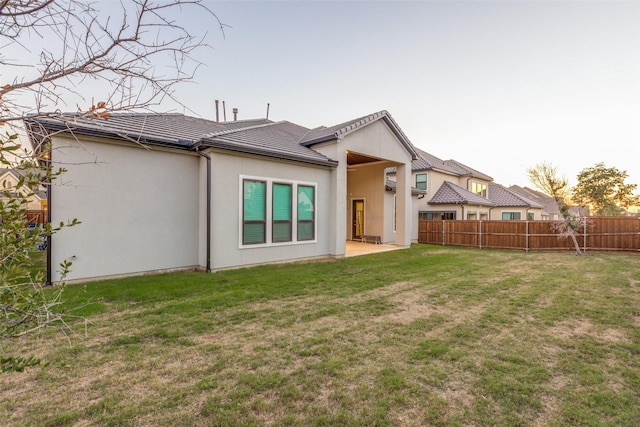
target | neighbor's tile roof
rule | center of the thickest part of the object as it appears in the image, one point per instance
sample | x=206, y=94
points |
x=466, y=170
x=391, y=186
x=426, y=161
x=501, y=196
x=548, y=203
x=451, y=194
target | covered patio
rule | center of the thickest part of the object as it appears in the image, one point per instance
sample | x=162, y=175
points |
x=355, y=248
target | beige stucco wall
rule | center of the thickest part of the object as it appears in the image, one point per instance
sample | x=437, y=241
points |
x=389, y=223
x=496, y=213
x=138, y=208
x=226, y=245
x=367, y=183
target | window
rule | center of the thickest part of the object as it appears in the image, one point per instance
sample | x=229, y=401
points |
x=510, y=216
x=530, y=216
x=276, y=212
x=254, y=210
x=421, y=181
x=281, y=223
x=479, y=189
x=306, y=212
x=436, y=216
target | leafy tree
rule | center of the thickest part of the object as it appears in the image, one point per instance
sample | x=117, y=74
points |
x=138, y=53
x=545, y=177
x=604, y=190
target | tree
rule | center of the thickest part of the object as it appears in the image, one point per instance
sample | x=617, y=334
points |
x=545, y=177
x=137, y=54
x=604, y=190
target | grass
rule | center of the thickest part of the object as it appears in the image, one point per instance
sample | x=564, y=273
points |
x=426, y=336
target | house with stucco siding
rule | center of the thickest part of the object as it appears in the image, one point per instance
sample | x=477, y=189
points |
x=455, y=191
x=164, y=192
x=10, y=181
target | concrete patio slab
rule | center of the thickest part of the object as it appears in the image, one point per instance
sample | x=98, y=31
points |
x=355, y=248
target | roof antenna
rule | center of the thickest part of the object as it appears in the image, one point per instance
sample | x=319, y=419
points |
x=267, y=111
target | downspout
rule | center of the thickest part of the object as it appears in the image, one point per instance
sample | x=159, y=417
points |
x=206, y=156
x=48, y=281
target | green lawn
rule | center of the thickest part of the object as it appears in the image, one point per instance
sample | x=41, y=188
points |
x=426, y=336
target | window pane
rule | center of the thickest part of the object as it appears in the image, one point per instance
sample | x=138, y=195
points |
x=281, y=202
x=306, y=216
x=253, y=232
x=421, y=181
x=282, y=231
x=305, y=230
x=306, y=201
x=254, y=212
x=254, y=200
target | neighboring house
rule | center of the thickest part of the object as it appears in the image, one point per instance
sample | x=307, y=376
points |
x=456, y=191
x=509, y=205
x=10, y=178
x=452, y=189
x=550, y=210
x=160, y=192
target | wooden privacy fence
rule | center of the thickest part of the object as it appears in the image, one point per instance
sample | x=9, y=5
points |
x=36, y=217
x=596, y=234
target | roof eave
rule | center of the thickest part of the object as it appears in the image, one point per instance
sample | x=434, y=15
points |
x=267, y=153
x=324, y=138
x=58, y=126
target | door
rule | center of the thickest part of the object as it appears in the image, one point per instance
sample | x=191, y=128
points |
x=357, y=211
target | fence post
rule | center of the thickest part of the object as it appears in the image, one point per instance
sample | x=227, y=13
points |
x=526, y=237
x=584, y=237
x=480, y=238
x=443, y=232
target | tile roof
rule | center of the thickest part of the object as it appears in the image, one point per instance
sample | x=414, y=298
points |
x=501, y=196
x=466, y=170
x=278, y=140
x=451, y=194
x=322, y=133
x=426, y=161
x=261, y=136
x=549, y=205
x=283, y=140
x=168, y=129
x=391, y=186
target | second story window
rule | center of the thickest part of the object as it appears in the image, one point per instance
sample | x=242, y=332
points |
x=421, y=181
x=479, y=189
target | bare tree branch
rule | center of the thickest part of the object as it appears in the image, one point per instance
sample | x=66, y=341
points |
x=140, y=54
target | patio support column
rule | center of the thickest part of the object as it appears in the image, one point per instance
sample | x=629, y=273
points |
x=403, y=205
x=338, y=209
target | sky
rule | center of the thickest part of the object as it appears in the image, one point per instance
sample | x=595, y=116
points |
x=497, y=85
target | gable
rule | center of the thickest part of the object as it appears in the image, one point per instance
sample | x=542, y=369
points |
x=376, y=140
x=344, y=130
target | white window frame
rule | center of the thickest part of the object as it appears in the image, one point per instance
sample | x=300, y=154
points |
x=269, y=211
x=510, y=213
